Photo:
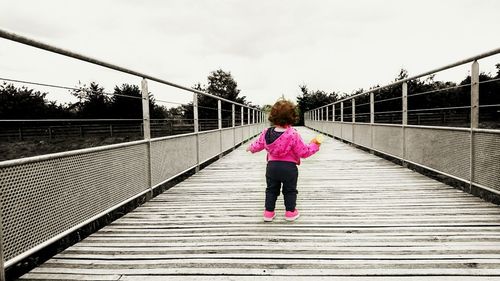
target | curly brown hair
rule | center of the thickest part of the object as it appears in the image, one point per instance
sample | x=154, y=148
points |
x=283, y=113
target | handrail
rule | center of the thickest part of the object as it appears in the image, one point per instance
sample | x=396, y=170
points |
x=451, y=65
x=47, y=47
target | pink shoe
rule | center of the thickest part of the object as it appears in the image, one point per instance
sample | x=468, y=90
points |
x=269, y=216
x=292, y=215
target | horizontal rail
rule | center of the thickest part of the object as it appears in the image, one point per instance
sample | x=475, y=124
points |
x=44, y=46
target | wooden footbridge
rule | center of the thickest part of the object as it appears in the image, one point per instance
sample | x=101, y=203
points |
x=362, y=217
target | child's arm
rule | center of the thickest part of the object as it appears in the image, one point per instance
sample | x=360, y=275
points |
x=259, y=143
x=304, y=150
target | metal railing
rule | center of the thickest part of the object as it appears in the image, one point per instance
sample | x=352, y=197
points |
x=47, y=197
x=470, y=155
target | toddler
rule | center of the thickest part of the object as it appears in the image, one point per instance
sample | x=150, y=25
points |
x=284, y=149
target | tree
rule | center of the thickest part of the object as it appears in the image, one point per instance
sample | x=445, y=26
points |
x=92, y=102
x=313, y=99
x=126, y=103
x=24, y=103
x=221, y=84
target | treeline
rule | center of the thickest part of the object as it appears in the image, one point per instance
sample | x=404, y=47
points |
x=125, y=102
x=423, y=94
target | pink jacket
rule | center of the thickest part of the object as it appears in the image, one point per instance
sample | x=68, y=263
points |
x=288, y=147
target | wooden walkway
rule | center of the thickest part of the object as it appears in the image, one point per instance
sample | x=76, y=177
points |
x=363, y=218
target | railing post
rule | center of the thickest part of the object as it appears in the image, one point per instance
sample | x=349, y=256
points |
x=353, y=110
x=404, y=89
x=219, y=125
x=353, y=117
x=333, y=120
x=372, y=117
x=341, y=111
x=233, y=115
x=146, y=128
x=321, y=114
x=474, y=96
x=248, y=115
x=242, y=115
x=372, y=108
x=196, y=130
x=341, y=118
x=219, y=114
x=405, y=103
x=145, y=109
x=474, y=114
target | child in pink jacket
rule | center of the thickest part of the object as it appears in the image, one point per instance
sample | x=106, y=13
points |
x=284, y=149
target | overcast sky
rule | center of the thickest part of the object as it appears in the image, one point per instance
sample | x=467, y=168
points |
x=270, y=47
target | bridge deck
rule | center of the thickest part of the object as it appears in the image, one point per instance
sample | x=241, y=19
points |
x=362, y=217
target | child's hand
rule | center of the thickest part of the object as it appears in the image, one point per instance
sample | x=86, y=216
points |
x=248, y=149
x=317, y=140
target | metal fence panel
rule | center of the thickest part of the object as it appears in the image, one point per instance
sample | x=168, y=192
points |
x=209, y=145
x=246, y=132
x=347, y=131
x=388, y=139
x=363, y=134
x=441, y=149
x=171, y=156
x=328, y=128
x=42, y=199
x=227, y=139
x=487, y=159
x=238, y=135
x=337, y=129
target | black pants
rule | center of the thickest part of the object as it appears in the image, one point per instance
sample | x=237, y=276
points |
x=277, y=173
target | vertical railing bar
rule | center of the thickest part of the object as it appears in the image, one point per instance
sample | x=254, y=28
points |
x=233, y=116
x=333, y=119
x=147, y=131
x=372, y=117
x=404, y=96
x=219, y=125
x=474, y=118
x=196, y=130
x=341, y=119
x=242, y=117
x=353, y=117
